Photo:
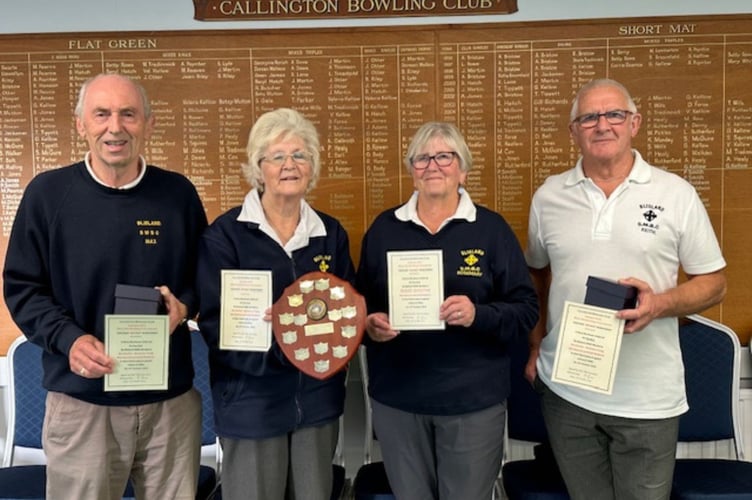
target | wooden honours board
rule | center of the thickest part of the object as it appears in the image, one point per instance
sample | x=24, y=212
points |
x=507, y=86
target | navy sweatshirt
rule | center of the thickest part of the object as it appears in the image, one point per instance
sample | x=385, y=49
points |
x=457, y=370
x=73, y=240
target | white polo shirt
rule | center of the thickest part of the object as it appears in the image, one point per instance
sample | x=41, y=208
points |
x=651, y=225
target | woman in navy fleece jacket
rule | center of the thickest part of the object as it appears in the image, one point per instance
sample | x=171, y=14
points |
x=439, y=395
x=278, y=427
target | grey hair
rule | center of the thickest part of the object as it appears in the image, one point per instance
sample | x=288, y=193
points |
x=444, y=130
x=277, y=125
x=79, y=109
x=597, y=83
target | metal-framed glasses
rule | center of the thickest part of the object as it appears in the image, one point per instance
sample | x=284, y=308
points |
x=442, y=159
x=613, y=117
x=279, y=159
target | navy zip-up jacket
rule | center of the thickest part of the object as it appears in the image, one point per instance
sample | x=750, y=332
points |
x=261, y=394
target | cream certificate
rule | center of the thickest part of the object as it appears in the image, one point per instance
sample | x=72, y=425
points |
x=587, y=353
x=245, y=296
x=416, y=289
x=140, y=346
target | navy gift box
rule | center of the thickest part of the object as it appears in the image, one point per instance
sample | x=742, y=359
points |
x=131, y=299
x=610, y=294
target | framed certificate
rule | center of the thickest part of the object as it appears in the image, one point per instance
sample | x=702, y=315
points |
x=140, y=346
x=416, y=289
x=245, y=296
x=587, y=352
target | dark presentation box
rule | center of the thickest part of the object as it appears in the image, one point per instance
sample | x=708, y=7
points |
x=610, y=294
x=131, y=299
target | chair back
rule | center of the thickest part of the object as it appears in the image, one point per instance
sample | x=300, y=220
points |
x=528, y=479
x=208, y=481
x=710, y=352
x=524, y=415
x=26, y=398
x=200, y=355
x=370, y=482
x=368, y=434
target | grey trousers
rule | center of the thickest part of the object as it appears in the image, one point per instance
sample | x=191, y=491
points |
x=607, y=457
x=441, y=457
x=295, y=466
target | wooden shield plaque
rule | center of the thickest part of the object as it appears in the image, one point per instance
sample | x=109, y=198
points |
x=319, y=322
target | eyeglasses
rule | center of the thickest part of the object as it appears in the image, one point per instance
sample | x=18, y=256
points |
x=279, y=159
x=613, y=117
x=443, y=159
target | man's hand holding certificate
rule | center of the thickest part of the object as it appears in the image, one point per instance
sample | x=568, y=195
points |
x=140, y=346
x=590, y=335
x=587, y=353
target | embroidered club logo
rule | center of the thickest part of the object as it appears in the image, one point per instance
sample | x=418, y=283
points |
x=650, y=220
x=471, y=259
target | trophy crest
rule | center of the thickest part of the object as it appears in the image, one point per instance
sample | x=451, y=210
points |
x=319, y=322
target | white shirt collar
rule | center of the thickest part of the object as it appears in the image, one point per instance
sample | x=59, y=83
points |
x=310, y=225
x=640, y=172
x=465, y=210
x=133, y=183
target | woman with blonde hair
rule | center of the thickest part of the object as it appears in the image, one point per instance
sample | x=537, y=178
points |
x=278, y=427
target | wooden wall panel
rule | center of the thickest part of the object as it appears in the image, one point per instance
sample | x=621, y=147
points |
x=507, y=86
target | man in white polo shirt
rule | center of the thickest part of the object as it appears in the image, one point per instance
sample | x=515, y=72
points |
x=615, y=216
